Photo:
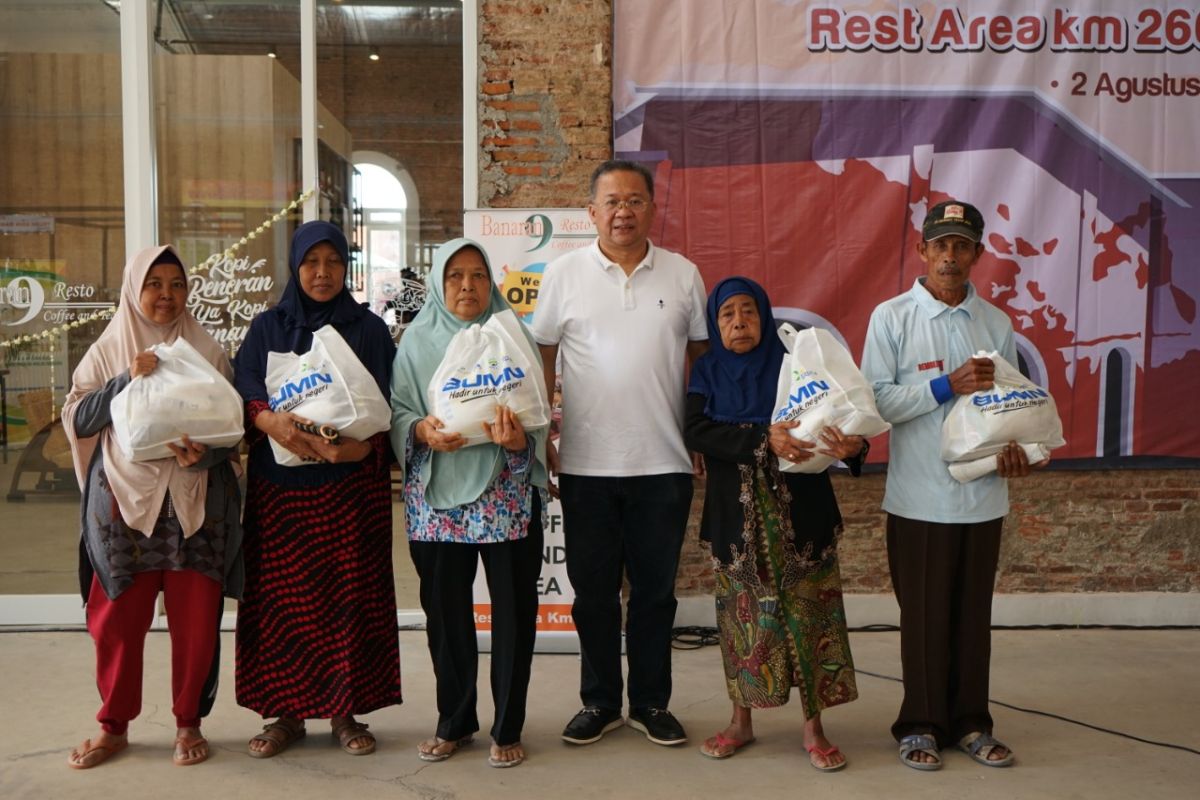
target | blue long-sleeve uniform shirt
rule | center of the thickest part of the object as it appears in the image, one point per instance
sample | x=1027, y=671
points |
x=914, y=342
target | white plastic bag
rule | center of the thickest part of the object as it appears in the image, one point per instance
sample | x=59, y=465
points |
x=1014, y=410
x=819, y=385
x=485, y=366
x=966, y=471
x=183, y=395
x=329, y=386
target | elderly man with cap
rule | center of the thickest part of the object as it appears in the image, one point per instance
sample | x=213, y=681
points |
x=943, y=537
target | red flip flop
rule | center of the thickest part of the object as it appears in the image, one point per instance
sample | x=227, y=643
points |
x=814, y=750
x=723, y=741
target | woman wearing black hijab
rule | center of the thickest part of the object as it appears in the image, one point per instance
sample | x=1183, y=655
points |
x=316, y=634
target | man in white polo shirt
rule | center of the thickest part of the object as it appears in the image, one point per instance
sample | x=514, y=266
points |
x=624, y=317
x=943, y=537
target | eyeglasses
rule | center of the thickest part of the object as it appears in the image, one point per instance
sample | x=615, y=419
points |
x=637, y=205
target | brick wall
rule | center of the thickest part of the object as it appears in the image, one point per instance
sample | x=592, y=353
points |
x=546, y=119
x=1112, y=531
x=545, y=106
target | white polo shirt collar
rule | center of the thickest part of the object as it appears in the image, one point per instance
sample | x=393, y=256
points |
x=628, y=298
x=606, y=263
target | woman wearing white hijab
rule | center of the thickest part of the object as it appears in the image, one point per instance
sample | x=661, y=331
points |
x=170, y=525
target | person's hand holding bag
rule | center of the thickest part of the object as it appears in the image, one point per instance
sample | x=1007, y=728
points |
x=506, y=430
x=432, y=437
x=783, y=445
x=281, y=427
x=143, y=364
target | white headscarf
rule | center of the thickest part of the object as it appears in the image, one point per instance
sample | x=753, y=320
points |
x=139, y=487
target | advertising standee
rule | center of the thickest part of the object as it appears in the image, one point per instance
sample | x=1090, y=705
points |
x=519, y=244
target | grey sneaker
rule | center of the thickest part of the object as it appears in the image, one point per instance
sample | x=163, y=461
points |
x=659, y=725
x=590, y=724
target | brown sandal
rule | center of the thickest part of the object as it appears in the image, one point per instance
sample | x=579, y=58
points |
x=279, y=736
x=78, y=759
x=350, y=730
x=185, y=745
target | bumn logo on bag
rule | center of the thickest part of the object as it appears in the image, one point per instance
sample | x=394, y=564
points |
x=296, y=391
x=807, y=391
x=483, y=381
x=1011, y=401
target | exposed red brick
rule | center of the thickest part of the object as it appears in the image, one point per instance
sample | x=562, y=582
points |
x=513, y=105
x=510, y=141
x=1171, y=494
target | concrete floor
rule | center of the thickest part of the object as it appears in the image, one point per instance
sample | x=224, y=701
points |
x=1140, y=682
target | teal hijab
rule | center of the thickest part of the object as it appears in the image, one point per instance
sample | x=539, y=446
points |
x=450, y=479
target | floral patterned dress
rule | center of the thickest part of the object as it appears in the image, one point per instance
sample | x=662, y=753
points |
x=500, y=514
x=773, y=538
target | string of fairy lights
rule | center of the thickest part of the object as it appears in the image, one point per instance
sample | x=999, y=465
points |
x=104, y=313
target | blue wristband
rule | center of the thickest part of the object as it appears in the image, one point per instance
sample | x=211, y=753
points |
x=941, y=389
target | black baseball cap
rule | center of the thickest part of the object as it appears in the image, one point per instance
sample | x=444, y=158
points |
x=953, y=217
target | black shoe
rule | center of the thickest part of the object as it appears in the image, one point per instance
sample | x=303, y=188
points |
x=659, y=725
x=590, y=724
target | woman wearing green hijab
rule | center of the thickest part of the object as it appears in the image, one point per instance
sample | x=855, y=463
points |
x=465, y=503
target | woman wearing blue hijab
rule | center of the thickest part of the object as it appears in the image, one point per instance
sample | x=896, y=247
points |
x=465, y=504
x=316, y=633
x=773, y=535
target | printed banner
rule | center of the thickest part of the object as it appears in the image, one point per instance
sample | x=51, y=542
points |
x=801, y=144
x=519, y=244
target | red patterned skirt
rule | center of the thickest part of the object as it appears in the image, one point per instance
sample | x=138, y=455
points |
x=316, y=630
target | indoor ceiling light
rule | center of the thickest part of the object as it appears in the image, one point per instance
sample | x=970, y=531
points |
x=374, y=54
x=272, y=53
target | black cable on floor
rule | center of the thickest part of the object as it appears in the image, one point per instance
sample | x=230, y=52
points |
x=1058, y=717
x=693, y=637
x=696, y=636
